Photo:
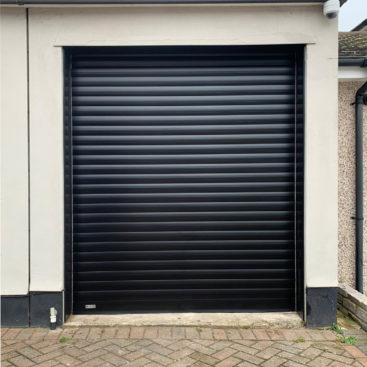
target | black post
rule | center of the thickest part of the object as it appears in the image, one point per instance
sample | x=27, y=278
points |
x=359, y=186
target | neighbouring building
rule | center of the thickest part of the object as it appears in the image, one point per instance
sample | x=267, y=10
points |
x=168, y=156
x=352, y=75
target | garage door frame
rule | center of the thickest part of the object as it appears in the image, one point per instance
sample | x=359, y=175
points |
x=299, y=169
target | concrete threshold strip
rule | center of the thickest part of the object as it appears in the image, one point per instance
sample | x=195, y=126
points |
x=273, y=320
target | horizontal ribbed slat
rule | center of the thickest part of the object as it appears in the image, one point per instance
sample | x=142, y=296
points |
x=183, y=179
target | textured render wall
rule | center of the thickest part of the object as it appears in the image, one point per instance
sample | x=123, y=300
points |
x=347, y=90
x=14, y=152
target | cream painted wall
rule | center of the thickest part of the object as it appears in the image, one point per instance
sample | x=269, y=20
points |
x=14, y=151
x=54, y=27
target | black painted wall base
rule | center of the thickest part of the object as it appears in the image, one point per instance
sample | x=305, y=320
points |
x=321, y=306
x=31, y=310
x=15, y=311
x=39, y=309
x=34, y=309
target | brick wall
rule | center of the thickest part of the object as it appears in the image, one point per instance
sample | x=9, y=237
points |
x=353, y=304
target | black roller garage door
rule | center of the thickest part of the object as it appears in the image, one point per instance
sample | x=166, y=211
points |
x=183, y=179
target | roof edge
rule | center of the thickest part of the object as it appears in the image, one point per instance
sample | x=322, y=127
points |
x=360, y=26
x=132, y=2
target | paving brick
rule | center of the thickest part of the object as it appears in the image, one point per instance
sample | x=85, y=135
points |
x=39, y=333
x=95, y=333
x=224, y=353
x=247, y=334
x=12, y=333
x=93, y=355
x=260, y=334
x=164, y=332
x=287, y=348
x=233, y=334
x=219, y=345
x=268, y=353
x=206, y=333
x=335, y=357
x=219, y=334
x=136, y=332
x=139, y=362
x=113, y=359
x=246, y=364
x=29, y=352
x=311, y=353
x=200, y=364
x=249, y=358
x=123, y=332
x=73, y=351
x=204, y=358
x=354, y=351
x=54, y=334
x=274, y=334
x=25, y=334
x=69, y=333
x=50, y=348
x=228, y=362
x=274, y=362
x=185, y=362
x=180, y=344
x=109, y=332
x=178, y=332
x=158, y=358
x=48, y=356
x=179, y=354
x=21, y=361
x=12, y=347
x=136, y=354
x=50, y=363
x=320, y=362
x=200, y=348
x=328, y=334
x=151, y=333
x=293, y=364
x=6, y=356
x=43, y=344
x=302, y=346
x=262, y=345
x=288, y=334
x=82, y=333
x=245, y=349
x=192, y=333
x=160, y=349
x=179, y=347
x=293, y=357
x=302, y=333
x=94, y=346
x=97, y=362
x=68, y=360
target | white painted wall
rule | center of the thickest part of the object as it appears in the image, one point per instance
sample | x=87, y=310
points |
x=51, y=28
x=14, y=152
x=352, y=73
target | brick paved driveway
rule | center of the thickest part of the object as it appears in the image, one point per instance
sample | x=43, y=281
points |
x=176, y=347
